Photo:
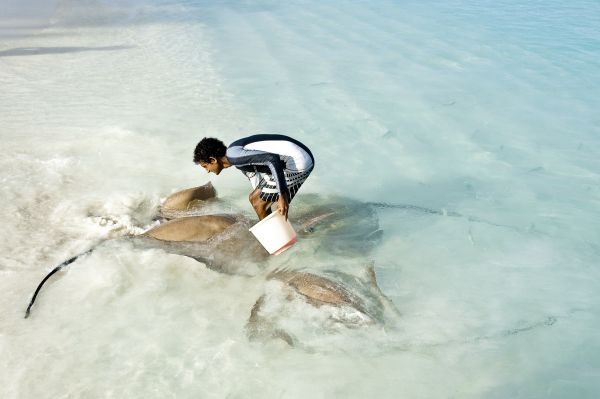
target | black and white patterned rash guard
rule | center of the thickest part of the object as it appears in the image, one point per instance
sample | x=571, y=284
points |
x=275, y=163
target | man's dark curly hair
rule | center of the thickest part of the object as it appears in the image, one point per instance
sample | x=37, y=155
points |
x=209, y=147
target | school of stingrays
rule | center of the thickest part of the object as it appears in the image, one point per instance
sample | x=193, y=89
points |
x=332, y=230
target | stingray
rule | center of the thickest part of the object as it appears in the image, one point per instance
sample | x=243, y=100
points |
x=338, y=225
x=346, y=300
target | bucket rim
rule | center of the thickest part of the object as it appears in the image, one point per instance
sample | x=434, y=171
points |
x=266, y=219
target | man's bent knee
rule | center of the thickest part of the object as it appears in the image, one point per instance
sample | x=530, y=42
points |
x=254, y=195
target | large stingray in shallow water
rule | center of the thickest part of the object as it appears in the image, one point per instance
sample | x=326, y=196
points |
x=222, y=242
x=329, y=301
x=188, y=202
x=340, y=225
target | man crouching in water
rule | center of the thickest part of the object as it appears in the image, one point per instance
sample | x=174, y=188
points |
x=276, y=166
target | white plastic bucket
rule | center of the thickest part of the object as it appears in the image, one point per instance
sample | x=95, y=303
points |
x=274, y=233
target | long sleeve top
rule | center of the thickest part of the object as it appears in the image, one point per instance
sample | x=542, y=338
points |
x=272, y=154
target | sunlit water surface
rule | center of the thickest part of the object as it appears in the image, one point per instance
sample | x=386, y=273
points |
x=479, y=118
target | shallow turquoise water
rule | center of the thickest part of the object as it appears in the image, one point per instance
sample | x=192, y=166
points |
x=479, y=118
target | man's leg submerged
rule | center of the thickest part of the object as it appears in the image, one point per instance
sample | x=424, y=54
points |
x=261, y=207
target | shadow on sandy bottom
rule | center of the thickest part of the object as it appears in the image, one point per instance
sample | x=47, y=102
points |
x=27, y=51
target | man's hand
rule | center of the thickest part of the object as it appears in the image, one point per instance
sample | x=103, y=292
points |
x=282, y=206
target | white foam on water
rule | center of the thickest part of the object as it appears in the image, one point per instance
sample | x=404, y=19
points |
x=478, y=118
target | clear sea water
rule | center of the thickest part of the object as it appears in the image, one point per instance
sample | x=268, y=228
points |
x=481, y=115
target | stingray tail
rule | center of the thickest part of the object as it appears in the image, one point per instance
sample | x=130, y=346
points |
x=444, y=212
x=416, y=208
x=56, y=269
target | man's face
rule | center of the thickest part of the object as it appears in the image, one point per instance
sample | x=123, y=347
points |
x=213, y=166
